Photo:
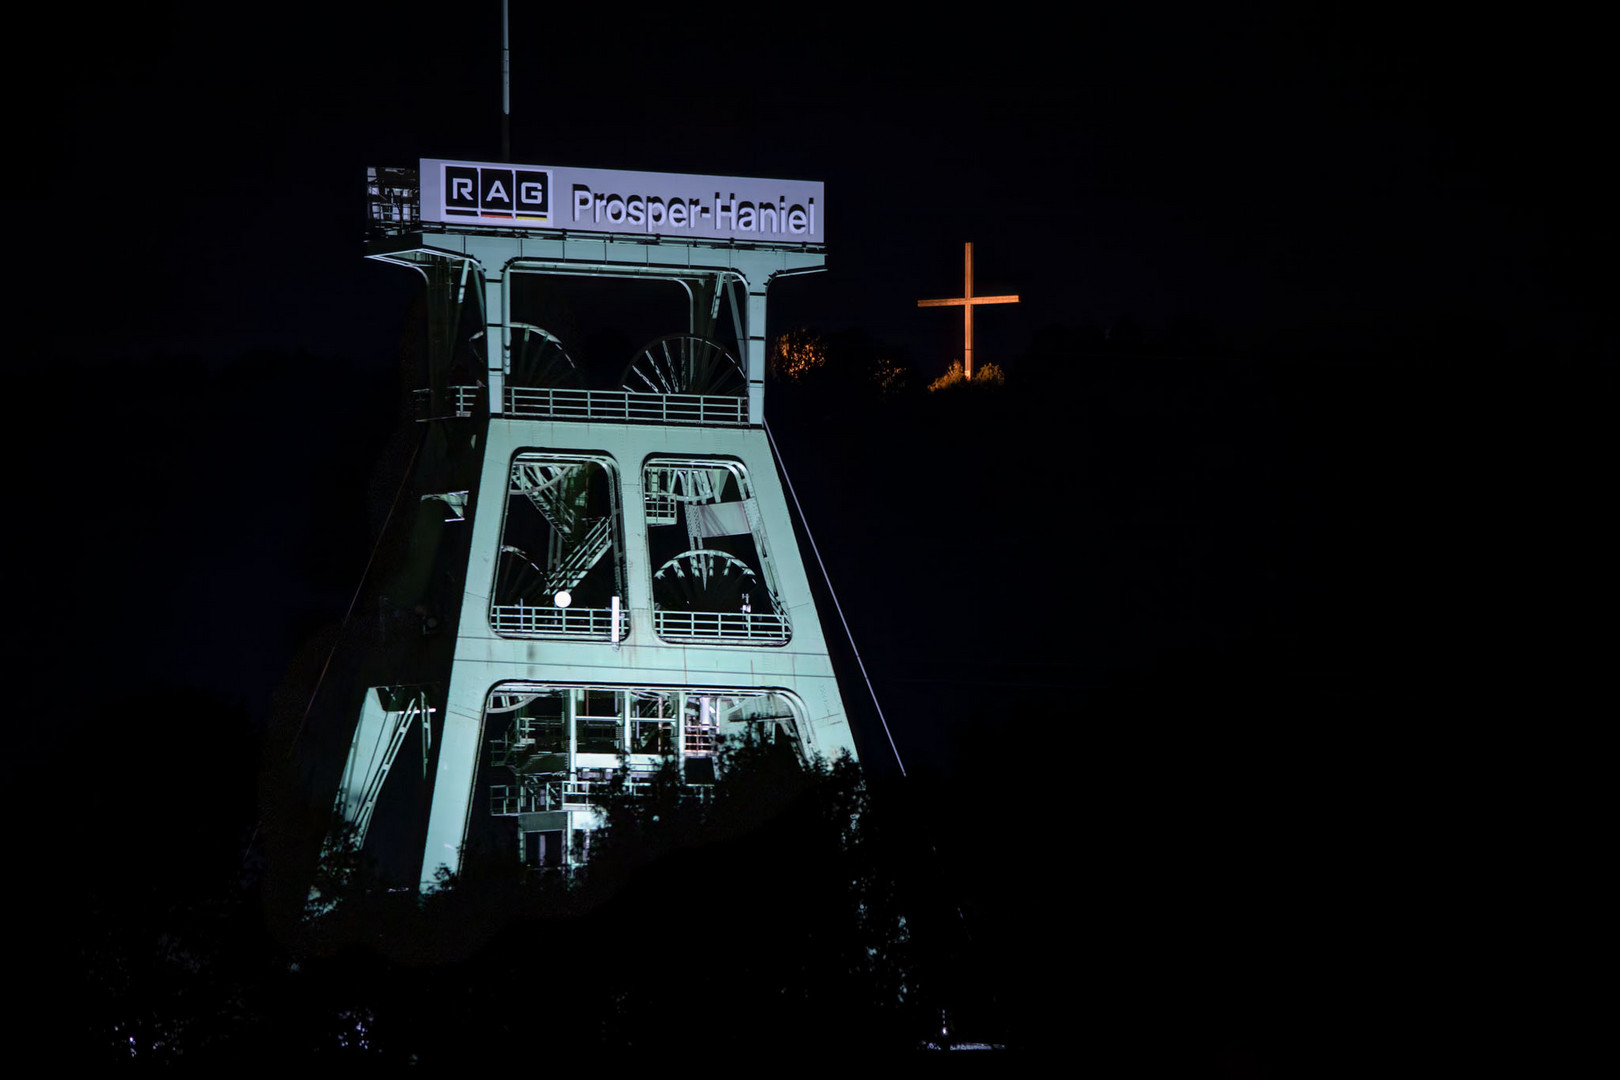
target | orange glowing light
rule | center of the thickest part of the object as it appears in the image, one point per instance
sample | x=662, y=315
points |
x=967, y=302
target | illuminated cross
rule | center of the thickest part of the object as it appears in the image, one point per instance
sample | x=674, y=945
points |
x=966, y=302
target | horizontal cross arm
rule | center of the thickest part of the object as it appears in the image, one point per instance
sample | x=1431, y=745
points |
x=960, y=301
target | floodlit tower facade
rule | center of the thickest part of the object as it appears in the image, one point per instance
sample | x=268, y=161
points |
x=630, y=588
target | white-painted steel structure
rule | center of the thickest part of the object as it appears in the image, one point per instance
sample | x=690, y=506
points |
x=657, y=601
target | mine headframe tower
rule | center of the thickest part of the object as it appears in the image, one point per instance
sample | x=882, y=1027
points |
x=632, y=593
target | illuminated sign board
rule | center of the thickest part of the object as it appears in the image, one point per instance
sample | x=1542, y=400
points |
x=488, y=194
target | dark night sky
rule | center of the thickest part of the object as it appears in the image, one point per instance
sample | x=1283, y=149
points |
x=1350, y=177
x=1393, y=193
x=1366, y=185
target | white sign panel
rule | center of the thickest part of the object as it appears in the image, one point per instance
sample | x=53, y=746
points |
x=488, y=194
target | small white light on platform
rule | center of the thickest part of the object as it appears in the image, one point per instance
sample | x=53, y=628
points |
x=562, y=598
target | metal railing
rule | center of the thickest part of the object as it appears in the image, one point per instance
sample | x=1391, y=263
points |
x=626, y=406
x=522, y=620
x=457, y=403
x=513, y=755
x=701, y=740
x=392, y=199
x=509, y=800
x=636, y=785
x=716, y=627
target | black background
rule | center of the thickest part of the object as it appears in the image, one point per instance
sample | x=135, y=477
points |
x=1199, y=632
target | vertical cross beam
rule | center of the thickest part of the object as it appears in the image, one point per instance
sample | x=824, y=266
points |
x=497, y=339
x=967, y=301
x=755, y=361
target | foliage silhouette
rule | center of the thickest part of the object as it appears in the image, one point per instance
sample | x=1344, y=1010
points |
x=765, y=904
x=956, y=376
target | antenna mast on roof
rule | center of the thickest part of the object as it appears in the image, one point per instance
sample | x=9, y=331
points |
x=506, y=84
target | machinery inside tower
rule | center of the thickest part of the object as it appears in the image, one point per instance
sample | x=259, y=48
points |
x=573, y=332
x=712, y=575
x=537, y=358
x=557, y=752
x=561, y=568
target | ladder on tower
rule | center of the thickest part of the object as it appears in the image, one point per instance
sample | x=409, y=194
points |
x=546, y=487
x=385, y=720
x=578, y=559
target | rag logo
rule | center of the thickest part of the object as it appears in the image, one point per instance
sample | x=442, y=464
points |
x=470, y=191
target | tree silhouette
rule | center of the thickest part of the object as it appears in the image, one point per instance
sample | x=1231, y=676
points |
x=769, y=907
